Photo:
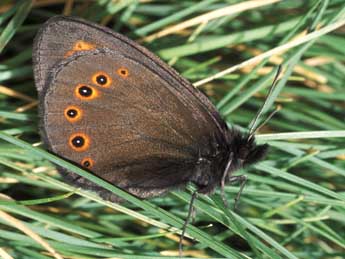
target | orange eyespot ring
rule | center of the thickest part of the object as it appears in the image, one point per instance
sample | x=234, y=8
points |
x=79, y=142
x=123, y=72
x=80, y=46
x=83, y=45
x=85, y=92
x=73, y=113
x=87, y=162
x=102, y=79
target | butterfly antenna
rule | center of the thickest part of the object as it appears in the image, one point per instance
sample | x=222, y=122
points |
x=277, y=109
x=252, y=124
x=184, y=227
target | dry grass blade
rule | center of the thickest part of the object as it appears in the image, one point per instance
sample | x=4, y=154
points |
x=274, y=51
x=19, y=225
x=9, y=92
x=276, y=60
x=4, y=254
x=229, y=10
x=68, y=7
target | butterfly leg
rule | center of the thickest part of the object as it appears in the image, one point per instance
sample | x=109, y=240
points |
x=243, y=180
x=222, y=183
x=184, y=227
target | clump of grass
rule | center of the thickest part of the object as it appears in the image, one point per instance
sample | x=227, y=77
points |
x=293, y=205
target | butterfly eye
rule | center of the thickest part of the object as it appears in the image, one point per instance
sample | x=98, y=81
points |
x=101, y=79
x=73, y=113
x=85, y=92
x=79, y=142
x=123, y=72
x=87, y=162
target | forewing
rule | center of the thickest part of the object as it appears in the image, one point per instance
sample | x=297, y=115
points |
x=61, y=36
x=142, y=133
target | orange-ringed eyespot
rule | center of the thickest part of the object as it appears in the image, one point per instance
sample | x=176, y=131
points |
x=101, y=79
x=87, y=162
x=123, y=72
x=85, y=91
x=79, y=142
x=72, y=113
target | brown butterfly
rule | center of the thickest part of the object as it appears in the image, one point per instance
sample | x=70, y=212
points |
x=114, y=108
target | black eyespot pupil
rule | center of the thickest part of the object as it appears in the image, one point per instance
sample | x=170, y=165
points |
x=78, y=141
x=123, y=72
x=85, y=91
x=101, y=79
x=87, y=163
x=72, y=113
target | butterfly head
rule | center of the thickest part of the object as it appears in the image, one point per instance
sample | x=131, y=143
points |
x=244, y=149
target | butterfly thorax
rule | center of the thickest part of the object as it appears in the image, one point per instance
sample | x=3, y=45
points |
x=239, y=150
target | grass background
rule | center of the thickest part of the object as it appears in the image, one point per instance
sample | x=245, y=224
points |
x=294, y=203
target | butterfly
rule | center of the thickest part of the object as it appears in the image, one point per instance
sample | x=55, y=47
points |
x=112, y=107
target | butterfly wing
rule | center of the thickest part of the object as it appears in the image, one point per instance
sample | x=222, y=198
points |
x=144, y=130
x=61, y=35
